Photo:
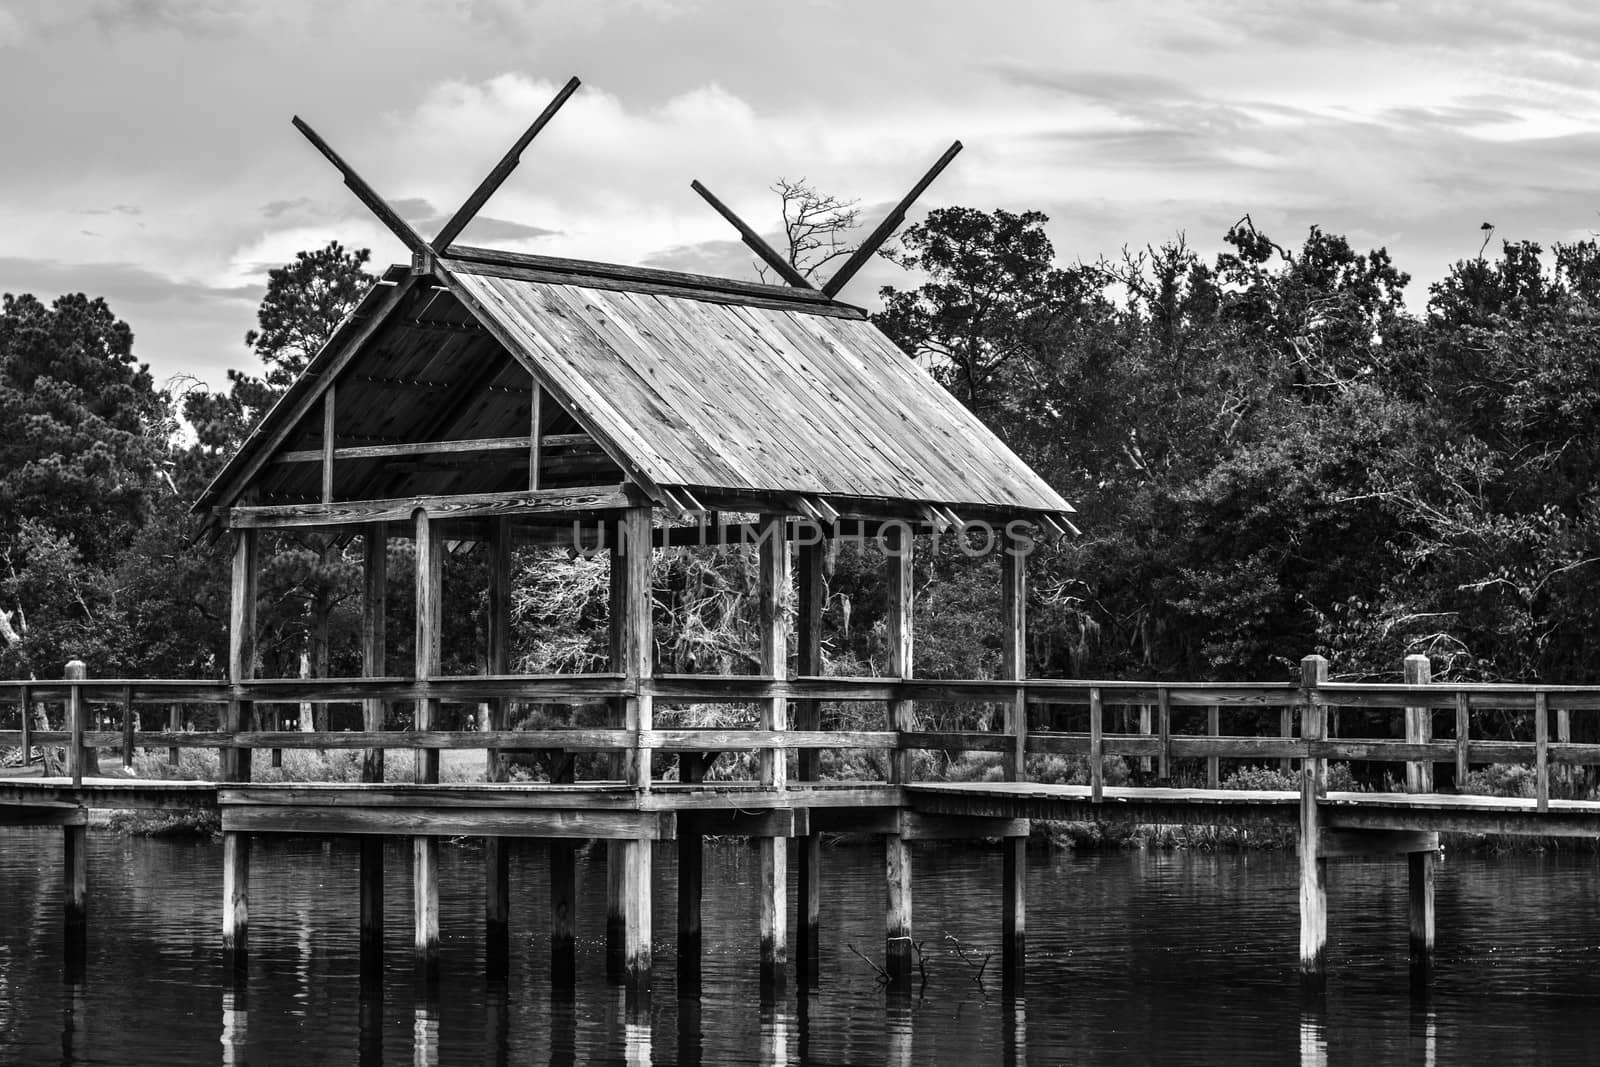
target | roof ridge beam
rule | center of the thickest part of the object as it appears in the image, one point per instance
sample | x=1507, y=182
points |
x=754, y=241
x=508, y=163
x=870, y=246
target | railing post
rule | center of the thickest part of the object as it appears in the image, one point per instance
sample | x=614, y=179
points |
x=897, y=944
x=1213, y=762
x=374, y=589
x=25, y=705
x=808, y=716
x=1541, y=750
x=425, y=847
x=496, y=850
x=236, y=760
x=1313, y=868
x=1463, y=739
x=1097, y=745
x=77, y=754
x=1419, y=726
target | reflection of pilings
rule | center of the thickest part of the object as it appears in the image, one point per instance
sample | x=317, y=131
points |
x=774, y=863
x=775, y=1029
x=691, y=1039
x=425, y=1035
x=496, y=1024
x=563, y=1028
x=235, y=1027
x=808, y=954
x=1313, y=1040
x=1013, y=1030
x=74, y=1022
x=616, y=908
x=369, y=1026
x=1420, y=868
x=897, y=1029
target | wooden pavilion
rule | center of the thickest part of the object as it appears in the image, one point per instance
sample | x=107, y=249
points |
x=481, y=395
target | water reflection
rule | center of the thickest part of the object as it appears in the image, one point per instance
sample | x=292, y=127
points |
x=425, y=1035
x=1135, y=958
x=235, y=1026
x=1313, y=1039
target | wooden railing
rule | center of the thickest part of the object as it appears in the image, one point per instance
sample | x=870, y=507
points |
x=85, y=707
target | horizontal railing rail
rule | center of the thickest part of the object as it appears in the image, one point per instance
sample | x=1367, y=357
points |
x=1159, y=706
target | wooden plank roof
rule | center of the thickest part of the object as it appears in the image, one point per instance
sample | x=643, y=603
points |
x=698, y=383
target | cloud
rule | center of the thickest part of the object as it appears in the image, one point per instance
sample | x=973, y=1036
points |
x=277, y=208
x=115, y=209
x=126, y=281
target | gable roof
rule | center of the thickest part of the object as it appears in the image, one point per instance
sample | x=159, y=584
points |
x=683, y=381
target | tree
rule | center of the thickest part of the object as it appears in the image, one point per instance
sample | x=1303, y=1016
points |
x=816, y=226
x=305, y=302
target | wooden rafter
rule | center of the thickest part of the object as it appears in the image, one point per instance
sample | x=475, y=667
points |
x=753, y=240
x=502, y=170
x=870, y=246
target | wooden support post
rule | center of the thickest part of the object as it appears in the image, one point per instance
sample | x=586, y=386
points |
x=773, y=580
x=563, y=914
x=374, y=606
x=535, y=436
x=1313, y=868
x=425, y=849
x=1014, y=654
x=496, y=850
x=636, y=915
x=1541, y=750
x=1421, y=866
x=241, y=648
x=425, y=911
x=898, y=949
x=774, y=862
x=563, y=899
x=77, y=755
x=1146, y=726
x=637, y=637
x=328, y=411
x=616, y=911
x=127, y=727
x=1097, y=757
x=235, y=903
x=25, y=708
x=1013, y=913
x=1463, y=739
x=374, y=573
x=1164, y=713
x=174, y=723
x=75, y=895
x=691, y=873
x=1213, y=764
x=902, y=594
x=808, y=716
x=371, y=914
x=1419, y=726
x=1286, y=731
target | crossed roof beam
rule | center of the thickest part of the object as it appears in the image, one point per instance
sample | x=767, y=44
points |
x=423, y=251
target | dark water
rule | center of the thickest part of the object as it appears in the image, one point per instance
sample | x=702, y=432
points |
x=1136, y=957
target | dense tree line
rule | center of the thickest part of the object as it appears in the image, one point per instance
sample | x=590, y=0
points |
x=1270, y=454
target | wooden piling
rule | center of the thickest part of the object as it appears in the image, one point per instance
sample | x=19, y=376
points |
x=773, y=619
x=636, y=854
x=691, y=872
x=496, y=850
x=563, y=915
x=1420, y=883
x=898, y=949
x=241, y=648
x=75, y=894
x=1419, y=726
x=616, y=911
x=1313, y=868
x=1013, y=912
x=77, y=755
x=425, y=849
x=808, y=716
x=235, y=903
x=898, y=623
x=774, y=863
x=374, y=567
x=425, y=911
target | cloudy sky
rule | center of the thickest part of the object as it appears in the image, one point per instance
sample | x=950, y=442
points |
x=146, y=153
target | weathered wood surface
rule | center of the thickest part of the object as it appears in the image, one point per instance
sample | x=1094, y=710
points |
x=545, y=502
x=448, y=821
x=650, y=372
